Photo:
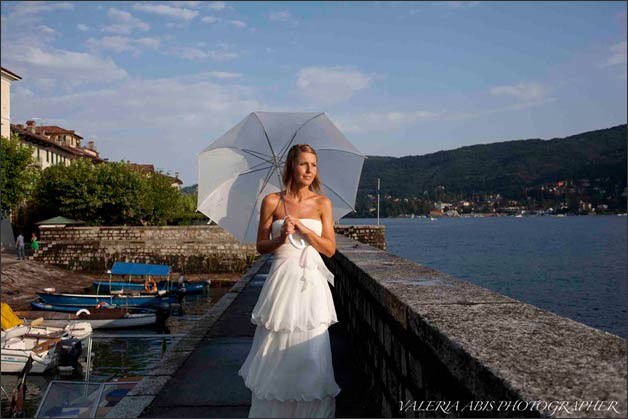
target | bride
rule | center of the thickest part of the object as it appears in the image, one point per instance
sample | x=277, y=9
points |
x=289, y=368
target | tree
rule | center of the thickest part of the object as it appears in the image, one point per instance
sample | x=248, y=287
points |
x=106, y=194
x=18, y=175
x=165, y=199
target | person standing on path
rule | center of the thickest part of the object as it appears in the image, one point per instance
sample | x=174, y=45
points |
x=19, y=243
x=34, y=243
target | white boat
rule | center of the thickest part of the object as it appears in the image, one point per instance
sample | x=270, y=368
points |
x=19, y=341
x=111, y=318
x=16, y=351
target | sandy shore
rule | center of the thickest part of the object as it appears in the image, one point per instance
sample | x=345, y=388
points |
x=22, y=280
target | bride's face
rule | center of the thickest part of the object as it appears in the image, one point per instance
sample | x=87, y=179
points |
x=306, y=169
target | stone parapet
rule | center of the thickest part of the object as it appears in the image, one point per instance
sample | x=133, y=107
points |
x=422, y=336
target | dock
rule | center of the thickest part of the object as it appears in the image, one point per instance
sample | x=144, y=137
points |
x=199, y=378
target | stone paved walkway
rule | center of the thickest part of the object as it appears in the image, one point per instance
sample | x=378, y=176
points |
x=207, y=384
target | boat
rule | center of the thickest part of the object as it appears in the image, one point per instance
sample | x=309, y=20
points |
x=19, y=342
x=115, y=298
x=146, y=272
x=98, y=317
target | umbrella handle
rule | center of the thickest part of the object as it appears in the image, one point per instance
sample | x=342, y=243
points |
x=295, y=244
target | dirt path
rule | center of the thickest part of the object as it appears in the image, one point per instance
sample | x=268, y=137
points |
x=22, y=280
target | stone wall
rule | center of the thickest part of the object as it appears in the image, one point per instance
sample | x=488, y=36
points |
x=424, y=336
x=192, y=249
x=368, y=234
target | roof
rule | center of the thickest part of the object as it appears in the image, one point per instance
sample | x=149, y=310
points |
x=10, y=74
x=41, y=139
x=126, y=268
x=53, y=129
x=149, y=169
x=60, y=221
x=146, y=169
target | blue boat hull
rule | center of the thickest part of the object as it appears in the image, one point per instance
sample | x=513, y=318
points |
x=106, y=286
x=40, y=306
x=80, y=300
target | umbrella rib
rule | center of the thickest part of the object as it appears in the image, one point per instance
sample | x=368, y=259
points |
x=283, y=150
x=338, y=195
x=257, y=154
x=343, y=151
x=266, y=135
x=247, y=172
x=266, y=180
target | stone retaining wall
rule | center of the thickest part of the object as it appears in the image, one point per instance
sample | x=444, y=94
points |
x=368, y=234
x=190, y=249
x=422, y=336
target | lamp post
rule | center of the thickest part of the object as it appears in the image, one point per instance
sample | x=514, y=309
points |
x=377, y=201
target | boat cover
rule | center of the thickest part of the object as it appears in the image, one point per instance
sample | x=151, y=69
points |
x=127, y=268
x=9, y=319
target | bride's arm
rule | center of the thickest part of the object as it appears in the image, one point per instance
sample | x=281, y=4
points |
x=264, y=243
x=326, y=242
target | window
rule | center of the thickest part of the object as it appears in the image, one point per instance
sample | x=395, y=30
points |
x=47, y=156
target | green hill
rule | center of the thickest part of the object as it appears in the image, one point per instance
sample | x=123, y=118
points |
x=506, y=168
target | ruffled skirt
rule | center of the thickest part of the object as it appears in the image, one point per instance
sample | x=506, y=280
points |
x=289, y=368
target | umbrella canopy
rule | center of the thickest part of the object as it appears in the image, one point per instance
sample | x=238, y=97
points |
x=246, y=163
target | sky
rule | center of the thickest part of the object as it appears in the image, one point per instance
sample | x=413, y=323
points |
x=157, y=82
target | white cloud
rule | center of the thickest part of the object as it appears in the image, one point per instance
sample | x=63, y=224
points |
x=383, y=121
x=209, y=19
x=122, y=43
x=224, y=75
x=35, y=7
x=283, y=16
x=330, y=84
x=238, y=23
x=68, y=67
x=457, y=4
x=217, y=5
x=192, y=4
x=124, y=22
x=198, y=54
x=47, y=32
x=165, y=10
x=83, y=28
x=140, y=127
x=618, y=55
x=522, y=91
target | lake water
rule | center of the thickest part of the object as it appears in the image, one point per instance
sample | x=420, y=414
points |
x=573, y=266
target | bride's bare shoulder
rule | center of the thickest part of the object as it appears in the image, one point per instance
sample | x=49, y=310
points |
x=271, y=199
x=322, y=202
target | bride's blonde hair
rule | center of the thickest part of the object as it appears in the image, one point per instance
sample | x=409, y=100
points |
x=291, y=163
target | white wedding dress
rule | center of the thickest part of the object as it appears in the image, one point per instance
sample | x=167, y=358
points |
x=289, y=368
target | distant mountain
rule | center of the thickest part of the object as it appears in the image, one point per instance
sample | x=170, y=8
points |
x=506, y=168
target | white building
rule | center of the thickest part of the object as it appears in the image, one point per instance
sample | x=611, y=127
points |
x=7, y=78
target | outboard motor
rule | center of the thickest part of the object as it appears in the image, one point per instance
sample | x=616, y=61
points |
x=161, y=315
x=68, y=352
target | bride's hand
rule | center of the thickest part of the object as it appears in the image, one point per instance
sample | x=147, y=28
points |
x=295, y=222
x=287, y=228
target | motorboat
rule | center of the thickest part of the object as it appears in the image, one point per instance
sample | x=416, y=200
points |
x=99, y=317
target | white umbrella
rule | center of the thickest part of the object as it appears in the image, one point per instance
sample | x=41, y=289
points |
x=246, y=163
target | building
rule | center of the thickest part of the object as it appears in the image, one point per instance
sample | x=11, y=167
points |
x=149, y=170
x=7, y=78
x=54, y=145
